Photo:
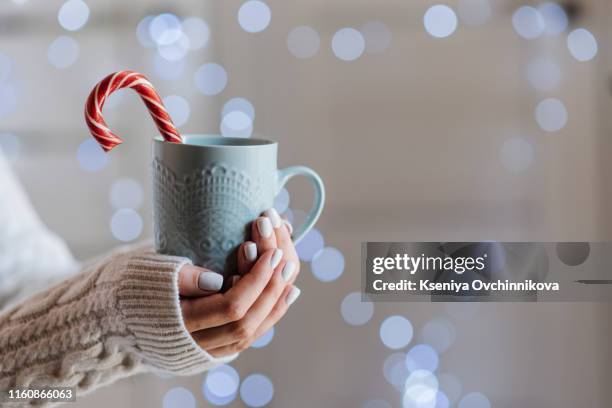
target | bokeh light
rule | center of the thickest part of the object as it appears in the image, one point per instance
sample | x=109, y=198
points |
x=439, y=333
x=218, y=401
x=543, y=73
x=555, y=18
x=517, y=154
x=168, y=70
x=421, y=390
x=211, y=79
x=422, y=357
x=178, y=397
x=451, y=386
x=197, y=31
x=221, y=384
x=236, y=124
x=327, y=264
x=474, y=400
x=440, y=21
x=474, y=13
x=396, y=332
x=237, y=118
x=178, y=109
x=176, y=50
x=126, y=225
x=395, y=371
x=90, y=156
x=573, y=253
x=73, y=15
x=312, y=243
x=143, y=34
x=63, y=52
x=256, y=390
x=264, y=339
x=551, y=114
x=303, y=42
x=239, y=104
x=254, y=16
x=377, y=36
x=126, y=193
x=10, y=146
x=582, y=44
x=165, y=29
x=348, y=44
x=528, y=22
x=442, y=400
x=355, y=311
x=282, y=200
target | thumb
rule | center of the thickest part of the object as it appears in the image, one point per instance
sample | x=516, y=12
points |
x=197, y=281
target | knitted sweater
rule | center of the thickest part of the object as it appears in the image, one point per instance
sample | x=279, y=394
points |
x=119, y=316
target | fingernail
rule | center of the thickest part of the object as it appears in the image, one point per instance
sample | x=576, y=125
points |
x=235, y=279
x=264, y=226
x=210, y=281
x=276, y=257
x=289, y=226
x=250, y=251
x=293, y=295
x=274, y=217
x=288, y=270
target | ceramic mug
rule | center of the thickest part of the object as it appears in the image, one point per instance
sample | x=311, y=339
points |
x=208, y=189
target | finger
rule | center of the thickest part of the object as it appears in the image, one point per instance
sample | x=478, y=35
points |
x=226, y=350
x=289, y=296
x=196, y=281
x=284, y=242
x=262, y=234
x=247, y=254
x=222, y=308
x=275, y=219
x=288, y=226
x=244, y=329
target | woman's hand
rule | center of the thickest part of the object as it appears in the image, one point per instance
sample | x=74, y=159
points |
x=227, y=323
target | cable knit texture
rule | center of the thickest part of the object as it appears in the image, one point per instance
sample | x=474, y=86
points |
x=119, y=317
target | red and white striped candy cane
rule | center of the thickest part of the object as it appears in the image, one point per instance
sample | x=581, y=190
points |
x=126, y=79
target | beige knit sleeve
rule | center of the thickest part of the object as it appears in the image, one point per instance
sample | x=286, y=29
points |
x=119, y=317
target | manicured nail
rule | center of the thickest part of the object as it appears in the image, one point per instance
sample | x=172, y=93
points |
x=288, y=270
x=250, y=251
x=274, y=217
x=264, y=226
x=276, y=257
x=235, y=279
x=289, y=226
x=210, y=281
x=293, y=295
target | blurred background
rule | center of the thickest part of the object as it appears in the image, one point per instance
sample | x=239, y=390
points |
x=468, y=120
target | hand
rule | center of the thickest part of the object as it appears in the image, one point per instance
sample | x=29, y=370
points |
x=227, y=323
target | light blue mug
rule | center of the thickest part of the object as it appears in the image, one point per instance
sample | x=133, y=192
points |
x=208, y=189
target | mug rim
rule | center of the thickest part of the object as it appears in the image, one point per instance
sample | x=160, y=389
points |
x=233, y=142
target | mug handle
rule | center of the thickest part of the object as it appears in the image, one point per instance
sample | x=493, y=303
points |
x=319, y=198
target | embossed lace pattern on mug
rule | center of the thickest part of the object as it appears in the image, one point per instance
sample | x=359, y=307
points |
x=203, y=215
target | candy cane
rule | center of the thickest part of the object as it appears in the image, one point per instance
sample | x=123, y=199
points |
x=126, y=79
